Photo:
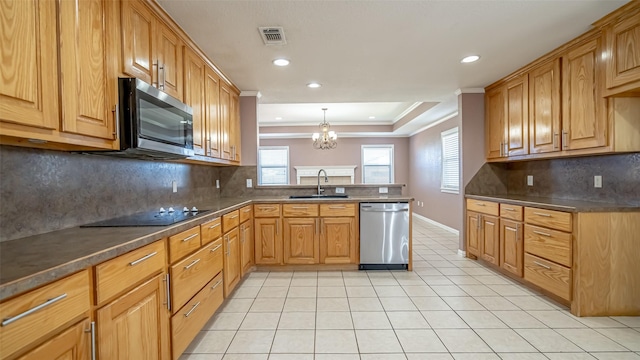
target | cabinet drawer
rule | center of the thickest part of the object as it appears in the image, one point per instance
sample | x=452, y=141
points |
x=230, y=220
x=512, y=212
x=123, y=272
x=299, y=210
x=485, y=207
x=42, y=311
x=183, y=244
x=211, y=230
x=246, y=213
x=548, y=218
x=191, y=274
x=548, y=275
x=266, y=210
x=188, y=322
x=549, y=244
x=337, y=209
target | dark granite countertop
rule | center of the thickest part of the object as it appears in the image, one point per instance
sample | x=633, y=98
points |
x=558, y=204
x=32, y=261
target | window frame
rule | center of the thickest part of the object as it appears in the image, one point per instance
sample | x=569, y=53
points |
x=286, y=167
x=446, y=187
x=391, y=165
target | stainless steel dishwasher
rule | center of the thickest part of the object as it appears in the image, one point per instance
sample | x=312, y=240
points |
x=384, y=236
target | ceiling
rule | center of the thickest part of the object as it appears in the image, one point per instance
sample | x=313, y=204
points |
x=376, y=58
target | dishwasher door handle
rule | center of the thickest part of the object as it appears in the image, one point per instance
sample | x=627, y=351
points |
x=383, y=210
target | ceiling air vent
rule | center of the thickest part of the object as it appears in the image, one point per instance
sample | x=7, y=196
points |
x=273, y=35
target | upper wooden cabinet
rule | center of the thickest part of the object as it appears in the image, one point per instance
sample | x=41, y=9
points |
x=507, y=117
x=151, y=51
x=225, y=121
x=544, y=108
x=212, y=113
x=234, y=127
x=194, y=72
x=622, y=49
x=495, y=118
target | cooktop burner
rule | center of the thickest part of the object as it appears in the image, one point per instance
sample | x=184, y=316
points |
x=149, y=218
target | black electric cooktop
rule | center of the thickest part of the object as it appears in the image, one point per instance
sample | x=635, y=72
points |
x=148, y=218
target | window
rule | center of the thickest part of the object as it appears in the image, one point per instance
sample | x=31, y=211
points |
x=450, y=161
x=377, y=164
x=273, y=165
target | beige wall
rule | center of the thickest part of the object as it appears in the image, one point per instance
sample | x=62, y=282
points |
x=249, y=130
x=302, y=153
x=425, y=173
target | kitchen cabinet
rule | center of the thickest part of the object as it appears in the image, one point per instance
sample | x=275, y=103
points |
x=507, y=117
x=544, y=107
x=72, y=344
x=490, y=239
x=231, y=271
x=225, y=121
x=338, y=236
x=622, y=63
x=234, y=127
x=473, y=233
x=194, y=72
x=246, y=239
x=268, y=241
x=511, y=246
x=136, y=324
x=212, y=113
x=495, y=118
x=151, y=51
x=301, y=242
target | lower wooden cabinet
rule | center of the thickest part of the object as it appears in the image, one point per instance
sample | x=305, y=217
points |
x=548, y=275
x=72, y=344
x=135, y=325
x=338, y=240
x=473, y=233
x=301, y=241
x=268, y=241
x=246, y=247
x=511, y=246
x=490, y=239
x=231, y=270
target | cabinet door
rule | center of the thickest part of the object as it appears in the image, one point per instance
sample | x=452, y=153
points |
x=225, y=121
x=301, y=241
x=338, y=241
x=516, y=133
x=490, y=239
x=29, y=81
x=138, y=31
x=544, y=108
x=268, y=241
x=623, y=47
x=234, y=127
x=511, y=246
x=169, y=61
x=473, y=233
x=88, y=88
x=584, y=120
x=194, y=96
x=231, y=270
x=246, y=243
x=495, y=119
x=72, y=344
x=135, y=326
x=212, y=112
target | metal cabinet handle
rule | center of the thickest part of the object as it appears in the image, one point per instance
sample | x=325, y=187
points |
x=246, y=211
x=233, y=216
x=216, y=248
x=541, y=214
x=192, y=263
x=299, y=207
x=228, y=252
x=542, y=265
x=266, y=207
x=216, y=285
x=192, y=309
x=214, y=226
x=541, y=233
x=501, y=149
x=316, y=221
x=337, y=207
x=277, y=227
x=517, y=231
x=167, y=281
x=321, y=226
x=555, y=140
x=92, y=331
x=51, y=301
x=134, y=263
x=481, y=204
x=243, y=234
x=509, y=209
x=564, y=140
x=189, y=238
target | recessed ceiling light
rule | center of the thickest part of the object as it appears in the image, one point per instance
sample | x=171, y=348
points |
x=314, y=85
x=371, y=117
x=470, y=59
x=278, y=118
x=281, y=62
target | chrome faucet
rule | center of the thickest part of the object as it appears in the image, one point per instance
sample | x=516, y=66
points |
x=326, y=179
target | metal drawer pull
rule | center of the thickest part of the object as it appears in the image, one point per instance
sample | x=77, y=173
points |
x=134, y=263
x=192, y=309
x=541, y=233
x=189, y=238
x=267, y=207
x=246, y=210
x=216, y=248
x=542, y=265
x=233, y=216
x=337, y=207
x=481, y=204
x=193, y=263
x=167, y=280
x=214, y=226
x=8, y=321
x=216, y=285
x=509, y=209
x=542, y=214
x=299, y=207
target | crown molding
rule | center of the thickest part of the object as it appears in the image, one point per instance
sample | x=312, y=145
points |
x=251, y=93
x=469, y=91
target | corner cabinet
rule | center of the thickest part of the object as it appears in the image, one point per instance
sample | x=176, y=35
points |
x=622, y=46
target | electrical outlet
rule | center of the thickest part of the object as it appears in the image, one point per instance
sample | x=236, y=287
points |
x=249, y=183
x=174, y=186
x=383, y=190
x=597, y=181
x=530, y=180
x=217, y=184
x=339, y=190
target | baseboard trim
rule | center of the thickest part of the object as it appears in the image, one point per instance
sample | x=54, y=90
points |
x=433, y=222
x=462, y=253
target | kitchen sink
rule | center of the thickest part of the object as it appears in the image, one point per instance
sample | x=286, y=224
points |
x=322, y=196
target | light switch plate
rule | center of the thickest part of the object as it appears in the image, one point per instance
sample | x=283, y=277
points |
x=249, y=183
x=597, y=181
x=530, y=180
x=217, y=184
x=383, y=190
x=339, y=190
x=174, y=186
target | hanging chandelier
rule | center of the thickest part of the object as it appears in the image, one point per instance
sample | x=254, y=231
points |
x=326, y=139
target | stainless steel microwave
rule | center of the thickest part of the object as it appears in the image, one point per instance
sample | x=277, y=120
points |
x=152, y=124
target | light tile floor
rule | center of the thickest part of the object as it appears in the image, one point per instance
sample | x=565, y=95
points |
x=449, y=307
